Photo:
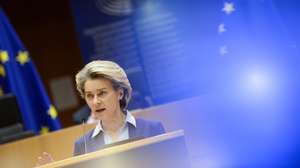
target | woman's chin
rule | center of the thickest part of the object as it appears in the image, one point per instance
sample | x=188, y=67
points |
x=97, y=117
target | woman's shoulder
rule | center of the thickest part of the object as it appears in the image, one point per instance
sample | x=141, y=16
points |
x=85, y=137
x=150, y=125
x=141, y=121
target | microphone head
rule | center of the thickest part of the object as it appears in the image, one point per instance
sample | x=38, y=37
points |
x=83, y=120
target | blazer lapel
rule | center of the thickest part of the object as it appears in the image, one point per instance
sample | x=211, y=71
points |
x=132, y=131
x=95, y=143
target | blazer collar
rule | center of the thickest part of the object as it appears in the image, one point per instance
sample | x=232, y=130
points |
x=130, y=120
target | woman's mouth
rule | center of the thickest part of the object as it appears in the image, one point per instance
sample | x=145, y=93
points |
x=99, y=110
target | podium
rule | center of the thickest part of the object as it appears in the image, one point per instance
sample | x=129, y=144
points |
x=174, y=116
x=23, y=153
x=162, y=151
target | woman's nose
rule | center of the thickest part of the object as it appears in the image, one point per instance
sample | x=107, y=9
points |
x=96, y=100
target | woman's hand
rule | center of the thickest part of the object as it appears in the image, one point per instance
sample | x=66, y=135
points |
x=44, y=159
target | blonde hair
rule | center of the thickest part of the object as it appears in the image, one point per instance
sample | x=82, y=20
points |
x=108, y=70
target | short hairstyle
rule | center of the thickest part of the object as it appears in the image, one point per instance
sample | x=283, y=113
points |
x=108, y=70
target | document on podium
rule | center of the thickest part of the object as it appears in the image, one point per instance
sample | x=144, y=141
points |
x=163, y=151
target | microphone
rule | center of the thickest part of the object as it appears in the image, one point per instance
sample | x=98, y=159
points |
x=84, y=138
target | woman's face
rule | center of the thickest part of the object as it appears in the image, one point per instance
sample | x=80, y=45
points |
x=102, y=98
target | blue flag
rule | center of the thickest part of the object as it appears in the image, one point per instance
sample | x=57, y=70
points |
x=19, y=76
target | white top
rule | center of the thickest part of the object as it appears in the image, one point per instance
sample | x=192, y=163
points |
x=123, y=132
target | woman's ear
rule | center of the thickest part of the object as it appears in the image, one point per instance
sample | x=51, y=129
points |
x=121, y=94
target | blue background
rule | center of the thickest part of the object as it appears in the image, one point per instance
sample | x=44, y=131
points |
x=253, y=89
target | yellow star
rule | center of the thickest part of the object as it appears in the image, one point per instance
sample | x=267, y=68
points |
x=44, y=130
x=2, y=71
x=4, y=56
x=52, y=112
x=1, y=91
x=23, y=57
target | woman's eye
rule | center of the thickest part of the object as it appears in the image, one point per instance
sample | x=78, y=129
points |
x=102, y=94
x=89, y=96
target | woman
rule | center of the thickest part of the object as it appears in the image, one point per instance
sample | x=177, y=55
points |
x=106, y=89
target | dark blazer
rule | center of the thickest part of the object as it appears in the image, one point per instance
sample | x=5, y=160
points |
x=143, y=129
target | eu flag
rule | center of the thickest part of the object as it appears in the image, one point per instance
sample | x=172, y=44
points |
x=19, y=76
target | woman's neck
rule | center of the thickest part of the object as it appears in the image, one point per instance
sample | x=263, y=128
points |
x=113, y=125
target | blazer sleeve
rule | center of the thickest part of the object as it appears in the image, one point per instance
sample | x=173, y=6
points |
x=78, y=148
x=160, y=128
x=156, y=128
